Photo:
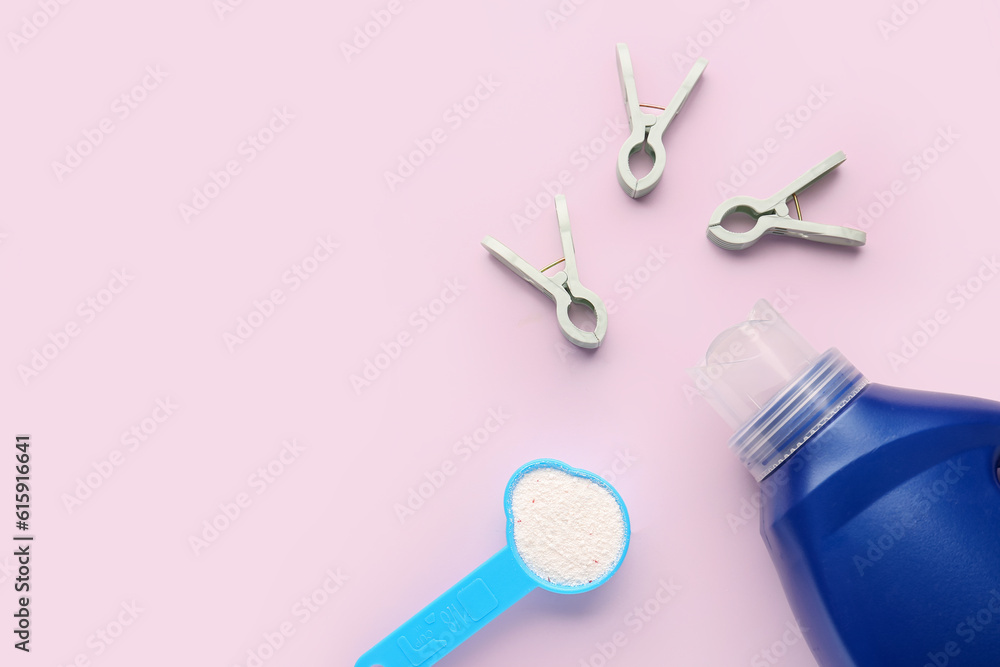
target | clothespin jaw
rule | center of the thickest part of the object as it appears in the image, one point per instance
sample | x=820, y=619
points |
x=564, y=288
x=646, y=129
x=772, y=216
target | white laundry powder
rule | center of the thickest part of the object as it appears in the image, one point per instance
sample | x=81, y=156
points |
x=568, y=529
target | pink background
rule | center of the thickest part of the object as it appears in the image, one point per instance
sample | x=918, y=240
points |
x=495, y=347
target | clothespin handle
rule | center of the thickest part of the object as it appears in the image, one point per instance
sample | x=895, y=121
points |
x=806, y=179
x=525, y=271
x=811, y=231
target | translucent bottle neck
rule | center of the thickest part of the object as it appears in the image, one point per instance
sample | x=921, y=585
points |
x=797, y=412
x=771, y=386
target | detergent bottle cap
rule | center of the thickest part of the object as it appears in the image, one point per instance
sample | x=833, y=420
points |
x=772, y=387
x=748, y=364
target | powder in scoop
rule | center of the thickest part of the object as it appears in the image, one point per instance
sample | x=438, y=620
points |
x=568, y=529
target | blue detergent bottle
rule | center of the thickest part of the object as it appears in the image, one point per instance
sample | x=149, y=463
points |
x=880, y=506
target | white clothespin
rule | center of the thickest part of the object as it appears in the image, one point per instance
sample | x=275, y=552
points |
x=646, y=128
x=564, y=287
x=772, y=216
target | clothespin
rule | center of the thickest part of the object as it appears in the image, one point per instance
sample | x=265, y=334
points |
x=646, y=128
x=772, y=216
x=564, y=287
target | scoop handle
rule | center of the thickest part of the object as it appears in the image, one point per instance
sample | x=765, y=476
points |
x=455, y=616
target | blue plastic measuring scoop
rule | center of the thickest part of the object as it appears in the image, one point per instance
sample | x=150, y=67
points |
x=481, y=596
